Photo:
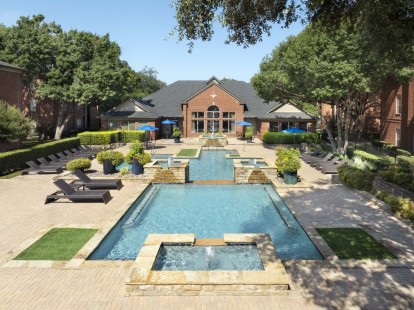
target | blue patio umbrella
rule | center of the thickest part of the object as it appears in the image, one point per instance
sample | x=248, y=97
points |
x=293, y=130
x=168, y=122
x=147, y=128
x=243, y=123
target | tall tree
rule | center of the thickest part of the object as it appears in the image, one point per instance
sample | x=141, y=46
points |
x=14, y=124
x=387, y=24
x=317, y=67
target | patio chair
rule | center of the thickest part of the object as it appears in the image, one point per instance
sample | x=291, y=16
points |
x=82, y=153
x=42, y=169
x=46, y=163
x=325, y=159
x=73, y=155
x=86, y=148
x=56, y=159
x=98, y=183
x=67, y=192
x=333, y=168
x=332, y=162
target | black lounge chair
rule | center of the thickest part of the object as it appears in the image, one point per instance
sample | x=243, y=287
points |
x=56, y=159
x=67, y=192
x=96, y=184
x=43, y=169
x=72, y=155
x=77, y=152
x=45, y=163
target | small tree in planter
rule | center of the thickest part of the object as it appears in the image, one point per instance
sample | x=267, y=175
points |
x=78, y=163
x=177, y=134
x=288, y=163
x=109, y=159
x=249, y=134
x=137, y=158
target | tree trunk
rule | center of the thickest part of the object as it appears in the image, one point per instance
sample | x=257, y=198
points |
x=330, y=136
x=60, y=125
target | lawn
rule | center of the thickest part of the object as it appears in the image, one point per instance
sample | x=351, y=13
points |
x=354, y=243
x=187, y=152
x=11, y=175
x=234, y=155
x=58, y=244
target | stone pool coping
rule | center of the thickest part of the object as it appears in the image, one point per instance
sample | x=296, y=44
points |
x=142, y=280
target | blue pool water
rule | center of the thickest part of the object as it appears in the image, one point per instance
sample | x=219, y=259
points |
x=211, y=165
x=209, y=211
x=232, y=257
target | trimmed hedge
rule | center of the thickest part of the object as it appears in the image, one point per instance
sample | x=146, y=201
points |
x=403, y=207
x=289, y=138
x=108, y=137
x=376, y=161
x=355, y=178
x=406, y=162
x=15, y=160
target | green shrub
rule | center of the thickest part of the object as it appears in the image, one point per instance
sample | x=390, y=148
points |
x=289, y=138
x=130, y=136
x=393, y=202
x=115, y=156
x=355, y=178
x=98, y=137
x=137, y=147
x=249, y=132
x=401, y=152
x=407, y=209
x=124, y=170
x=78, y=163
x=370, y=160
x=406, y=161
x=14, y=160
x=287, y=159
x=142, y=158
x=176, y=132
x=403, y=207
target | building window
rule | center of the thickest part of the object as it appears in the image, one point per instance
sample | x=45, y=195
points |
x=397, y=136
x=213, y=112
x=197, y=126
x=228, y=126
x=398, y=105
x=33, y=105
x=197, y=115
x=274, y=127
x=213, y=125
x=78, y=123
x=229, y=114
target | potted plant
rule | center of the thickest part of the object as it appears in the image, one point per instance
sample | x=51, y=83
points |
x=78, y=163
x=177, y=134
x=109, y=159
x=138, y=161
x=137, y=157
x=288, y=163
x=249, y=134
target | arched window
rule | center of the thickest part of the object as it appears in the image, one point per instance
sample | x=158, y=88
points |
x=213, y=112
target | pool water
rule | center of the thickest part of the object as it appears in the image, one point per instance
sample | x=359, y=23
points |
x=209, y=211
x=211, y=165
x=231, y=257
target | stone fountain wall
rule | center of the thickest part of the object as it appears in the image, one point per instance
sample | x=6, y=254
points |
x=216, y=141
x=250, y=174
x=173, y=174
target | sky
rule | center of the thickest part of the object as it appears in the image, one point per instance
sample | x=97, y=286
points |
x=142, y=29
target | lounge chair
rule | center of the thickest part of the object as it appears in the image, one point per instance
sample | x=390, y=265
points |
x=46, y=163
x=72, y=155
x=67, y=192
x=82, y=153
x=96, y=184
x=332, y=162
x=55, y=159
x=43, y=169
x=333, y=168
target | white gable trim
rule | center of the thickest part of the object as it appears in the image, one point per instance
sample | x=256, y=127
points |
x=129, y=105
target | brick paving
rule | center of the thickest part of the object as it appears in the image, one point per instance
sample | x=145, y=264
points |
x=324, y=285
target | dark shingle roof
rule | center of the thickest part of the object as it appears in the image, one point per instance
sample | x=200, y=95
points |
x=167, y=102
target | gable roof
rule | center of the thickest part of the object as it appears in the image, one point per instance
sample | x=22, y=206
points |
x=167, y=102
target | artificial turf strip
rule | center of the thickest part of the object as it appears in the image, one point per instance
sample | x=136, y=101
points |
x=58, y=244
x=187, y=152
x=354, y=243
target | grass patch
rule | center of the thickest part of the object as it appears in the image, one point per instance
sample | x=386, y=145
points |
x=234, y=155
x=11, y=175
x=187, y=152
x=354, y=243
x=58, y=244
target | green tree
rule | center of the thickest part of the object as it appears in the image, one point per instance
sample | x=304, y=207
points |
x=13, y=123
x=143, y=83
x=388, y=24
x=315, y=67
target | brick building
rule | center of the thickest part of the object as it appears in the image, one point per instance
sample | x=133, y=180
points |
x=206, y=106
x=397, y=114
x=11, y=84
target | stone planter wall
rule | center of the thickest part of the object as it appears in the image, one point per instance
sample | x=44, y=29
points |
x=249, y=174
x=380, y=184
x=175, y=174
x=217, y=141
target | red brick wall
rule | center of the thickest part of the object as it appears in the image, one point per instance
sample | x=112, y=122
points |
x=390, y=121
x=11, y=87
x=200, y=103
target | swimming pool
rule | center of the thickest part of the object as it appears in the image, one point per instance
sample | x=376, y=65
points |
x=209, y=211
x=211, y=165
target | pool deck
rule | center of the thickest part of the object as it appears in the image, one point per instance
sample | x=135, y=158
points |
x=333, y=284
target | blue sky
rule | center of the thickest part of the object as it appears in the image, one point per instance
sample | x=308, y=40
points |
x=142, y=28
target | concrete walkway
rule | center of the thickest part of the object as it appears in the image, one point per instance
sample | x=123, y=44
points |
x=330, y=284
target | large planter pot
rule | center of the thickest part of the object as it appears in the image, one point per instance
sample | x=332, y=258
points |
x=176, y=139
x=108, y=168
x=249, y=140
x=290, y=177
x=137, y=168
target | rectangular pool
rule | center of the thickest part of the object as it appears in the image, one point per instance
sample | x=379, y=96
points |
x=211, y=165
x=209, y=211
